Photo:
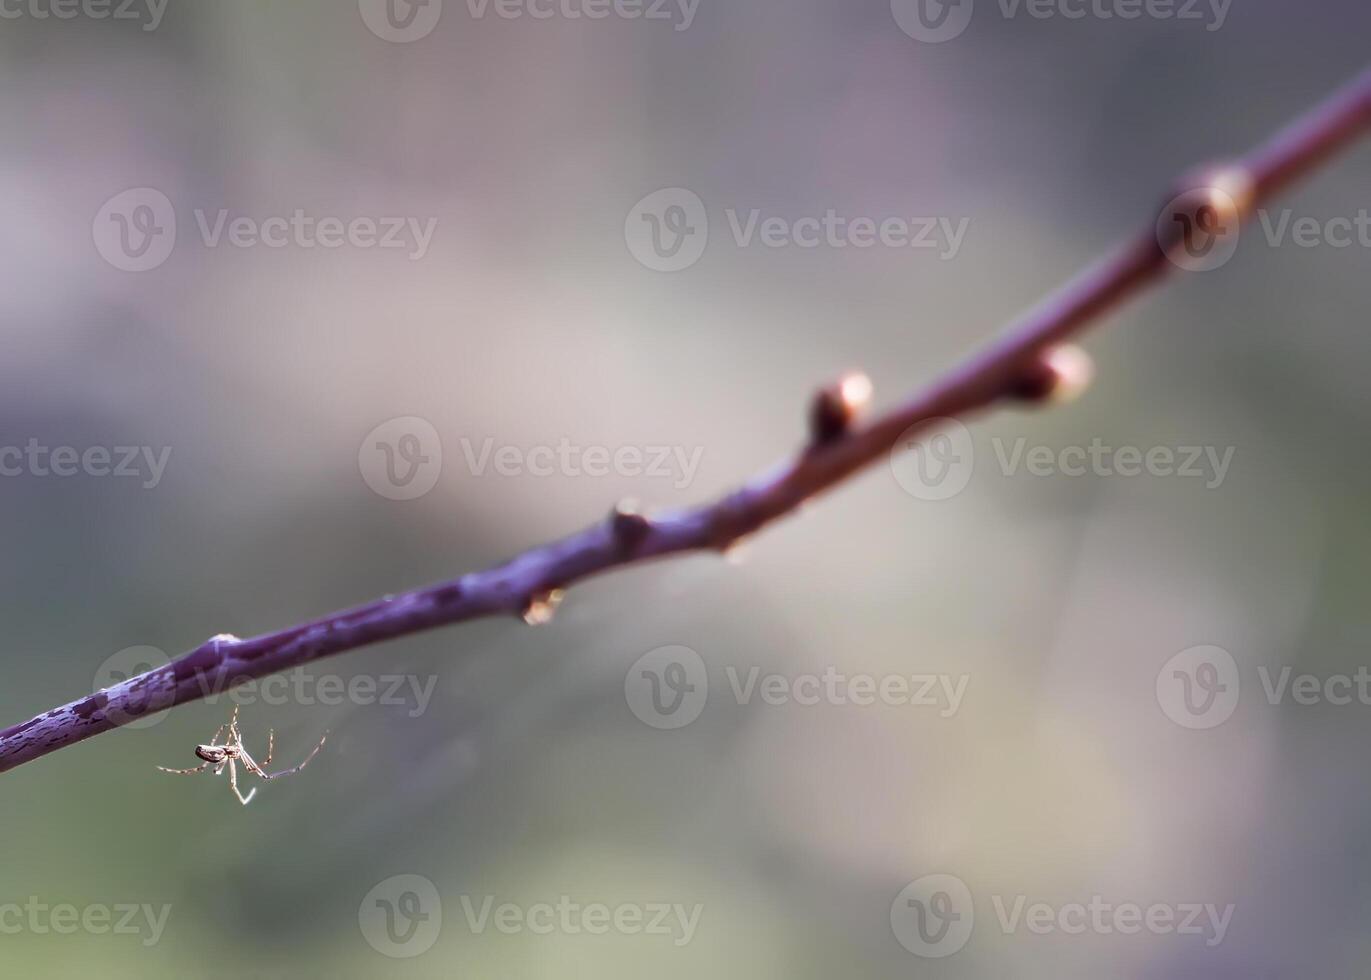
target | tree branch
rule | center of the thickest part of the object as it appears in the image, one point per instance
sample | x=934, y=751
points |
x=1020, y=366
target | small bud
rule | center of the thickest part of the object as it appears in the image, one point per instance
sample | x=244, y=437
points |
x=1061, y=375
x=836, y=407
x=542, y=606
x=629, y=525
x=1199, y=228
x=1232, y=190
x=736, y=552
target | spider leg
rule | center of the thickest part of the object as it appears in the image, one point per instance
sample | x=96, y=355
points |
x=217, y=733
x=233, y=782
x=287, y=772
x=250, y=764
x=186, y=772
x=259, y=768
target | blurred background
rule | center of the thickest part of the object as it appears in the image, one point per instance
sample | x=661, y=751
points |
x=366, y=296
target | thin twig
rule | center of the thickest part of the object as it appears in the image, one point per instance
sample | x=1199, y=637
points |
x=1016, y=367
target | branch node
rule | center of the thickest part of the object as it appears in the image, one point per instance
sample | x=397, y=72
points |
x=1059, y=376
x=737, y=550
x=629, y=526
x=836, y=407
x=1209, y=201
x=540, y=607
x=1027, y=365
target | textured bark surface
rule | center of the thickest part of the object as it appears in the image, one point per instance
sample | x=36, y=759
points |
x=1011, y=369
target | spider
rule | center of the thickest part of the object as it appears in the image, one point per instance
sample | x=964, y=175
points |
x=231, y=752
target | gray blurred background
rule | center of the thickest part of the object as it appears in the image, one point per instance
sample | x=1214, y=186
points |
x=798, y=830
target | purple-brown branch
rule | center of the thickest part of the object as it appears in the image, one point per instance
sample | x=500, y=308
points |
x=1017, y=367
